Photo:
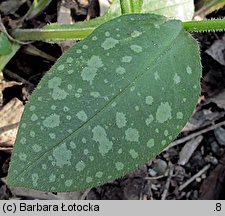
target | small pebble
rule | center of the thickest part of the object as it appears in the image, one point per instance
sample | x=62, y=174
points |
x=152, y=172
x=215, y=148
x=211, y=159
x=153, y=187
x=159, y=166
x=198, y=179
x=203, y=176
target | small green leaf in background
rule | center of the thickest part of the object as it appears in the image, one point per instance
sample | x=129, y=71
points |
x=108, y=105
x=5, y=46
x=179, y=9
x=37, y=7
x=4, y=59
x=204, y=7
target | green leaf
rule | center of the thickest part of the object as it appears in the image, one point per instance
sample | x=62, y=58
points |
x=204, y=7
x=184, y=10
x=111, y=103
x=37, y=7
x=131, y=6
x=4, y=59
x=5, y=46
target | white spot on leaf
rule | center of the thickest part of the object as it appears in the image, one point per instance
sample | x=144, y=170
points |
x=120, y=119
x=32, y=134
x=126, y=59
x=69, y=60
x=136, y=48
x=107, y=34
x=36, y=148
x=89, y=179
x=166, y=133
x=149, y=120
x=72, y=145
x=149, y=100
x=70, y=71
x=22, y=156
x=62, y=155
x=176, y=78
x=34, y=178
x=132, y=135
x=52, y=178
x=163, y=142
x=68, y=182
x=99, y=174
x=80, y=166
x=61, y=67
x=109, y=43
x=59, y=94
x=150, y=143
x=32, y=108
x=82, y=115
x=163, y=112
x=189, y=70
x=100, y=136
x=156, y=75
x=89, y=72
x=23, y=140
x=136, y=33
x=119, y=166
x=120, y=70
x=34, y=117
x=52, y=121
x=52, y=135
x=180, y=115
x=133, y=153
x=95, y=94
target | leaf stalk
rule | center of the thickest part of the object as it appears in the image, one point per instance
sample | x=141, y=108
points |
x=205, y=25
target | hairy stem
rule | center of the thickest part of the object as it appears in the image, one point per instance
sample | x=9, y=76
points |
x=50, y=34
x=55, y=34
x=205, y=25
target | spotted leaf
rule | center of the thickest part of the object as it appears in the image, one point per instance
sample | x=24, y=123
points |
x=111, y=103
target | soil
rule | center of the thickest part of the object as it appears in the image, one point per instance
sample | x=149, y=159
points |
x=191, y=168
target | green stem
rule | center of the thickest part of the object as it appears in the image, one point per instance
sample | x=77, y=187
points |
x=50, y=34
x=131, y=6
x=125, y=6
x=205, y=25
x=55, y=34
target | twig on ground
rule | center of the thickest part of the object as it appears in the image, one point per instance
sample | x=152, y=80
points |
x=154, y=177
x=6, y=148
x=167, y=185
x=8, y=127
x=184, y=139
x=188, y=149
x=17, y=77
x=84, y=195
x=150, y=194
x=204, y=169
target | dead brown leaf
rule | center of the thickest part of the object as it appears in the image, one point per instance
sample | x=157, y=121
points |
x=10, y=116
